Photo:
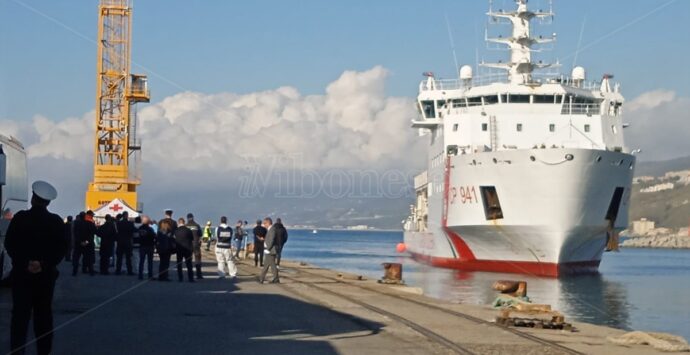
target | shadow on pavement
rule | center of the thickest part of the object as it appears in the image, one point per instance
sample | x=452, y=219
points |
x=120, y=315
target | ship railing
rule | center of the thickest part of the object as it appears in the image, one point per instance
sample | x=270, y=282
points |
x=581, y=109
x=537, y=78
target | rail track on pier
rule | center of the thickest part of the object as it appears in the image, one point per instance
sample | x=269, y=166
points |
x=421, y=329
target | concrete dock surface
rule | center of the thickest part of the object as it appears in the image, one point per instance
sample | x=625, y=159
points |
x=312, y=311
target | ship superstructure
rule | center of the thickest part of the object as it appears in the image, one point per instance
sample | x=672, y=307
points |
x=528, y=172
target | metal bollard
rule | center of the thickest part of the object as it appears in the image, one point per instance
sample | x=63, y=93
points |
x=393, y=273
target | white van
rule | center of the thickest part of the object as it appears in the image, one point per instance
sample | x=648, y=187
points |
x=14, y=191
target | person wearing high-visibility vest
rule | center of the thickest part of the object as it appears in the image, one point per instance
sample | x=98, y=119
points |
x=208, y=235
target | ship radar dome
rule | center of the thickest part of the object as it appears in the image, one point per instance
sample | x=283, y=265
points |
x=579, y=74
x=466, y=72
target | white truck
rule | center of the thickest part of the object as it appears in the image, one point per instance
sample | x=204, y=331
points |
x=14, y=191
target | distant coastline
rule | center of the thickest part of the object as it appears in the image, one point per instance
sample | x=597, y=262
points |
x=658, y=242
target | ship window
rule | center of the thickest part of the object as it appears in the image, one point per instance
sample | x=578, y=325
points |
x=440, y=103
x=428, y=109
x=455, y=127
x=544, y=99
x=491, y=100
x=519, y=99
x=485, y=127
x=459, y=103
x=492, y=206
x=552, y=128
x=519, y=127
x=474, y=101
x=504, y=98
x=587, y=128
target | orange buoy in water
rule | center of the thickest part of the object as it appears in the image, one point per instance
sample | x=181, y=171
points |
x=401, y=247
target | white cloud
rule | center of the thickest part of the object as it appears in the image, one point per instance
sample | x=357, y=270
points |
x=651, y=100
x=659, y=125
x=353, y=125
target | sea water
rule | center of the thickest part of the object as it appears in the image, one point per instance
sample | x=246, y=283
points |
x=640, y=289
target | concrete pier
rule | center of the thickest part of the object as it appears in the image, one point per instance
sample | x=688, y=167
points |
x=312, y=311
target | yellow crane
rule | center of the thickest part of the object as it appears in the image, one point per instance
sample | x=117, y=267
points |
x=115, y=173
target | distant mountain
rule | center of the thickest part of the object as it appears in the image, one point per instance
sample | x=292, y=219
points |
x=659, y=168
x=668, y=208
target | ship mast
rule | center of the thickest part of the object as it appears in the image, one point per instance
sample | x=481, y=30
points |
x=521, y=43
x=116, y=93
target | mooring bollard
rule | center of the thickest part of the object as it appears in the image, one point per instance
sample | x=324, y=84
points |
x=393, y=273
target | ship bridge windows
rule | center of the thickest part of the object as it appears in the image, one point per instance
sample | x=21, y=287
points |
x=428, y=110
x=545, y=99
x=519, y=99
x=581, y=105
x=491, y=100
x=474, y=101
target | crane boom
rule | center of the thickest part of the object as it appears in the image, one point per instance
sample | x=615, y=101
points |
x=117, y=91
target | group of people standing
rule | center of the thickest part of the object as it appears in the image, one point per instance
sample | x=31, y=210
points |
x=38, y=240
x=123, y=240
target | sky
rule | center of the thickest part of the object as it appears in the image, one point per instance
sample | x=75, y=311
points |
x=330, y=82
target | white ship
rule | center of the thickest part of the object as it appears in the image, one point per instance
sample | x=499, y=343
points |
x=527, y=172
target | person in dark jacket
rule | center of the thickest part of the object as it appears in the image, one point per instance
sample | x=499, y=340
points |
x=68, y=238
x=184, y=240
x=281, y=239
x=125, y=233
x=147, y=240
x=237, y=239
x=259, y=238
x=84, y=231
x=165, y=244
x=35, y=242
x=196, y=231
x=108, y=233
x=271, y=252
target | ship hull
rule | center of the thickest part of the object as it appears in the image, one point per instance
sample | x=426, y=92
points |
x=555, y=209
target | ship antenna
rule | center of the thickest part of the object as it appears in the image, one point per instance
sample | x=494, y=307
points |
x=521, y=43
x=579, y=41
x=452, y=43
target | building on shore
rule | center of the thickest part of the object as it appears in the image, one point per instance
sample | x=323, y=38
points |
x=642, y=226
x=658, y=187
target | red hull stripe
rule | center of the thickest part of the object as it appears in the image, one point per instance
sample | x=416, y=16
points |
x=514, y=267
x=462, y=250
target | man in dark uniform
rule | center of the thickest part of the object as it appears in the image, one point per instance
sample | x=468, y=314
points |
x=184, y=240
x=259, y=237
x=147, y=241
x=35, y=242
x=196, y=231
x=165, y=243
x=107, y=232
x=84, y=231
x=125, y=233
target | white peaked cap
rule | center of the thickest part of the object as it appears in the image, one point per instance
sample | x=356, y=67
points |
x=44, y=190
